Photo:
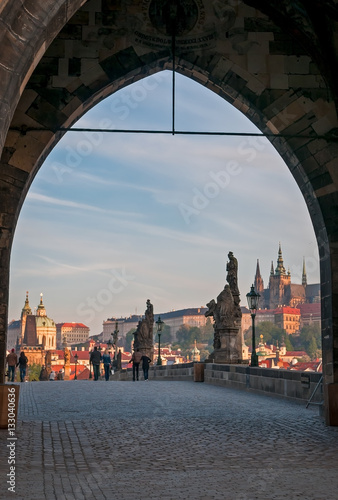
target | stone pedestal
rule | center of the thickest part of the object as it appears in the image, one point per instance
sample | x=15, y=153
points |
x=147, y=351
x=231, y=349
x=67, y=372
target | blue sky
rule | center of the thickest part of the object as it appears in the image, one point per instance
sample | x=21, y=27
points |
x=114, y=219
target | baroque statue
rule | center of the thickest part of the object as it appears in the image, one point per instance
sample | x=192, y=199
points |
x=144, y=331
x=226, y=313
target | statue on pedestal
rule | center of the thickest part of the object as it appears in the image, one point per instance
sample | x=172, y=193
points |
x=227, y=315
x=143, y=337
x=66, y=355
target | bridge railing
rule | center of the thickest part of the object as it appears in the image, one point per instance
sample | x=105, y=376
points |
x=290, y=384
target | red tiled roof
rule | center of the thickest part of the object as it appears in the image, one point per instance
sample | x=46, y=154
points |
x=80, y=355
x=75, y=325
x=83, y=375
x=311, y=365
x=287, y=310
x=265, y=311
x=310, y=308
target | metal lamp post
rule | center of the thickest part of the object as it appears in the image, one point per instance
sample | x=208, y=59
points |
x=159, y=323
x=76, y=358
x=253, y=298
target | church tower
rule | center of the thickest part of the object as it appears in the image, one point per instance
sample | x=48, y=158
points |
x=304, y=277
x=26, y=311
x=258, y=282
x=278, y=282
x=41, y=311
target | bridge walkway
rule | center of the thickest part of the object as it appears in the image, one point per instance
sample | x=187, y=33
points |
x=166, y=441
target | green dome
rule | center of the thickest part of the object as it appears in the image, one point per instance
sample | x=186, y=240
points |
x=44, y=321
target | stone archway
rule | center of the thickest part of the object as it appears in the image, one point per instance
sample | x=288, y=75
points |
x=274, y=63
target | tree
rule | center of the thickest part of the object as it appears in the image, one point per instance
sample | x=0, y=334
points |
x=310, y=335
x=33, y=372
x=312, y=348
x=165, y=335
x=186, y=336
x=129, y=338
x=207, y=332
x=271, y=335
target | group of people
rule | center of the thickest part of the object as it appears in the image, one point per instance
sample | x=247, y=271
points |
x=13, y=362
x=96, y=358
x=136, y=359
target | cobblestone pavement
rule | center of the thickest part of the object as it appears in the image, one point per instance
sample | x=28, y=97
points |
x=166, y=440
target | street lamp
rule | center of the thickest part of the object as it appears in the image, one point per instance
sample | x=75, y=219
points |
x=159, y=323
x=253, y=298
x=76, y=358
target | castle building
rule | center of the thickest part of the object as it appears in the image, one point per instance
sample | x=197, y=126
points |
x=281, y=291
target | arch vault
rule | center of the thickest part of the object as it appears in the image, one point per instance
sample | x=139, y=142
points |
x=274, y=61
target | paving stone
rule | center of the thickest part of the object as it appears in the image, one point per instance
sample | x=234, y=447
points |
x=170, y=440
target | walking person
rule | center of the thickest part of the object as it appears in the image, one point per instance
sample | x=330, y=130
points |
x=136, y=359
x=12, y=361
x=95, y=359
x=145, y=365
x=52, y=376
x=106, y=364
x=43, y=374
x=22, y=363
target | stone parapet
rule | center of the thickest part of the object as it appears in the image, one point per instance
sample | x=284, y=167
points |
x=295, y=385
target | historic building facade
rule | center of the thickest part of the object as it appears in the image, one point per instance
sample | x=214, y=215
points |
x=281, y=291
x=37, y=330
x=71, y=333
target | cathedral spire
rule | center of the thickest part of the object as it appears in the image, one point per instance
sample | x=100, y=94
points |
x=304, y=277
x=280, y=269
x=26, y=308
x=272, y=272
x=258, y=282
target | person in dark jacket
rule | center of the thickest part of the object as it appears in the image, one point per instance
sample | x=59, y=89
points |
x=12, y=361
x=145, y=365
x=106, y=364
x=95, y=359
x=136, y=359
x=22, y=364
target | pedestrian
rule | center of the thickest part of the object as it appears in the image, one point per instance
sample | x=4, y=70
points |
x=12, y=361
x=52, y=375
x=136, y=359
x=43, y=374
x=22, y=363
x=145, y=365
x=60, y=376
x=95, y=359
x=106, y=364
